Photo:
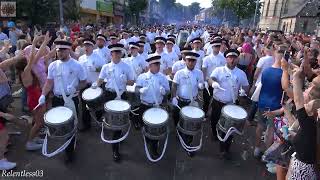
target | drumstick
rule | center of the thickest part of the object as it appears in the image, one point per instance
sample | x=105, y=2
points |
x=221, y=89
x=208, y=91
x=36, y=107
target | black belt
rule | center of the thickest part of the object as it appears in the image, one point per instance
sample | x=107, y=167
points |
x=61, y=97
x=183, y=100
x=148, y=104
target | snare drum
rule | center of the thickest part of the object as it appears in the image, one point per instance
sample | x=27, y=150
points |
x=155, y=123
x=232, y=116
x=133, y=97
x=117, y=114
x=191, y=119
x=93, y=97
x=60, y=122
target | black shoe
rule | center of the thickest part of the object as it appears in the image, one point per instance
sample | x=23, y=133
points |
x=225, y=156
x=69, y=158
x=191, y=154
x=116, y=156
x=137, y=126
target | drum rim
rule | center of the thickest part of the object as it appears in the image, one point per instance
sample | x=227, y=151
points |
x=191, y=117
x=236, y=119
x=57, y=124
x=110, y=110
x=94, y=98
x=160, y=124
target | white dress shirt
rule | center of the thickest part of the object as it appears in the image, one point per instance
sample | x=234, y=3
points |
x=112, y=72
x=104, y=53
x=68, y=73
x=153, y=82
x=188, y=81
x=92, y=65
x=213, y=61
x=231, y=81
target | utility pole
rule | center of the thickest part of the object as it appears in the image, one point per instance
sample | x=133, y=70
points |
x=255, y=13
x=61, y=13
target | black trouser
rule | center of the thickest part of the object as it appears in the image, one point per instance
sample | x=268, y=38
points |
x=252, y=111
x=215, y=116
x=116, y=134
x=57, y=101
x=152, y=144
x=206, y=99
x=176, y=116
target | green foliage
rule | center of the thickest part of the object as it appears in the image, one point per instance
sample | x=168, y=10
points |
x=242, y=8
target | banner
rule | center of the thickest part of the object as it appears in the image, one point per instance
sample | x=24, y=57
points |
x=8, y=9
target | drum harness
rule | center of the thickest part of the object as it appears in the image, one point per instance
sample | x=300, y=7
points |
x=68, y=102
x=232, y=129
x=143, y=130
x=184, y=145
x=103, y=123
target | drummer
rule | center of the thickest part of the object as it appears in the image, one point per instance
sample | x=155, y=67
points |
x=152, y=86
x=136, y=62
x=92, y=63
x=214, y=60
x=184, y=81
x=120, y=73
x=182, y=63
x=226, y=82
x=166, y=62
x=74, y=77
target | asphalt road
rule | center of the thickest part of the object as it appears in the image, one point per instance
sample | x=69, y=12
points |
x=94, y=159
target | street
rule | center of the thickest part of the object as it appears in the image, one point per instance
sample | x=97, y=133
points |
x=94, y=159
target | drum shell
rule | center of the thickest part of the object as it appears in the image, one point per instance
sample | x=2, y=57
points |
x=133, y=98
x=155, y=131
x=226, y=122
x=190, y=125
x=117, y=120
x=96, y=103
x=62, y=130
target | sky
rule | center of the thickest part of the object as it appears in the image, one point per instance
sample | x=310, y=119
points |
x=203, y=3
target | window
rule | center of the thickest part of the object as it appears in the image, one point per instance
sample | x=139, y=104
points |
x=305, y=25
x=285, y=10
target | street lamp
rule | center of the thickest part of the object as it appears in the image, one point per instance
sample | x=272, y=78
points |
x=61, y=13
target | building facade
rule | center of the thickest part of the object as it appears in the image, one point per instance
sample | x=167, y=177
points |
x=290, y=16
x=93, y=11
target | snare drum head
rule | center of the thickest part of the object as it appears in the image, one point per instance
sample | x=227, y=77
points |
x=90, y=93
x=235, y=112
x=117, y=105
x=131, y=88
x=155, y=116
x=58, y=115
x=192, y=112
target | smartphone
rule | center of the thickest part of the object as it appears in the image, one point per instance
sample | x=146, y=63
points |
x=286, y=55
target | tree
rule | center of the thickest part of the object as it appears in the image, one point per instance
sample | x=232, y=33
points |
x=167, y=6
x=242, y=8
x=135, y=7
x=194, y=8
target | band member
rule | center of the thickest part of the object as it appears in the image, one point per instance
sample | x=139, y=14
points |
x=214, y=60
x=147, y=47
x=170, y=51
x=196, y=45
x=184, y=87
x=136, y=62
x=226, y=82
x=117, y=75
x=152, y=86
x=166, y=63
x=92, y=64
x=141, y=52
x=68, y=74
x=102, y=50
x=182, y=63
